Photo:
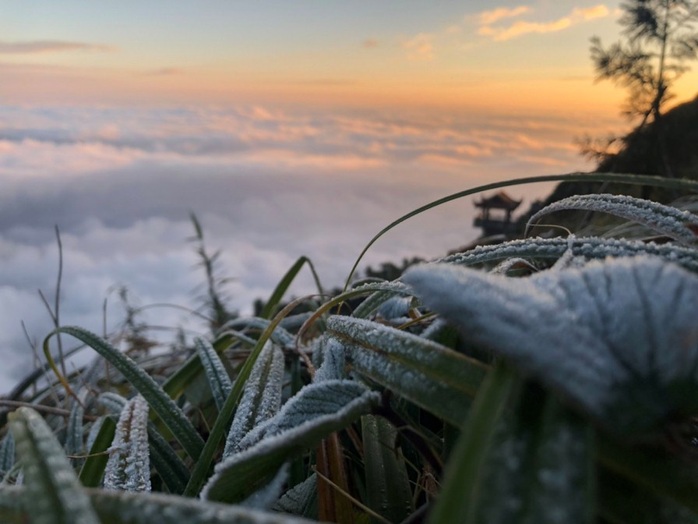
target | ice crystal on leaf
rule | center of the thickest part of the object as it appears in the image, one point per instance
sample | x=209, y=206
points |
x=618, y=338
x=128, y=467
x=677, y=224
x=261, y=397
x=314, y=412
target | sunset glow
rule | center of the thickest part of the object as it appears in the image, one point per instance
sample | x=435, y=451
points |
x=290, y=128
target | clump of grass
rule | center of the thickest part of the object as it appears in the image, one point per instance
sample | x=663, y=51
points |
x=539, y=380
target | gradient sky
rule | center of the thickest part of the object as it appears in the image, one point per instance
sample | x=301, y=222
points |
x=490, y=55
x=289, y=127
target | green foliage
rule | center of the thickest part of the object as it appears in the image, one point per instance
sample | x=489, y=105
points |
x=534, y=381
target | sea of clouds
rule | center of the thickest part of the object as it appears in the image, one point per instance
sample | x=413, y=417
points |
x=268, y=186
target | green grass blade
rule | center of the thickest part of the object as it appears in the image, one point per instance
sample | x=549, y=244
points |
x=655, y=181
x=53, y=492
x=217, y=376
x=272, y=304
x=93, y=468
x=432, y=376
x=159, y=401
x=387, y=483
x=464, y=472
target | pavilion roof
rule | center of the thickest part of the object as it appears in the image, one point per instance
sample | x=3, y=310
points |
x=499, y=200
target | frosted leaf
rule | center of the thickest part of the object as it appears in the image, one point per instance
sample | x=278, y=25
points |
x=395, y=309
x=261, y=397
x=265, y=497
x=587, y=247
x=128, y=467
x=618, y=338
x=313, y=413
x=215, y=372
x=333, y=361
x=667, y=220
x=299, y=500
x=429, y=374
x=311, y=403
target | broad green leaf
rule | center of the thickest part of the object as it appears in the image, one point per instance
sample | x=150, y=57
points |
x=387, y=483
x=123, y=507
x=261, y=397
x=667, y=220
x=619, y=338
x=539, y=467
x=53, y=494
x=92, y=469
x=312, y=414
x=217, y=376
x=464, y=473
x=587, y=247
x=163, y=405
x=128, y=467
x=432, y=376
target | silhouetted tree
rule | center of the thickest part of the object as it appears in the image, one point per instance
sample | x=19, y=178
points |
x=659, y=38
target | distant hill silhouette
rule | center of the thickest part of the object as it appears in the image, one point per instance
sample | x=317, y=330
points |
x=640, y=154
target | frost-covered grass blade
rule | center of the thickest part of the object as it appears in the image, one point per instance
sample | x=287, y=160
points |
x=217, y=376
x=53, y=494
x=128, y=467
x=667, y=220
x=261, y=397
x=432, y=376
x=315, y=412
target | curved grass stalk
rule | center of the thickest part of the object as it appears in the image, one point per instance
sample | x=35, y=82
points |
x=283, y=285
x=173, y=417
x=655, y=181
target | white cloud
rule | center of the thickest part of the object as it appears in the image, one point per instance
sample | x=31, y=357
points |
x=500, y=33
x=267, y=185
x=495, y=15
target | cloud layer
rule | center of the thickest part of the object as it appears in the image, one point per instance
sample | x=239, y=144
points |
x=267, y=185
